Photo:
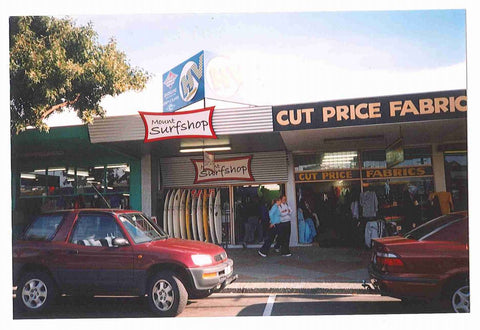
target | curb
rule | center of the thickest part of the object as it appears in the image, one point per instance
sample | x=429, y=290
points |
x=298, y=287
x=294, y=290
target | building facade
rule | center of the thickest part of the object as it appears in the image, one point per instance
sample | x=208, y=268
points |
x=324, y=154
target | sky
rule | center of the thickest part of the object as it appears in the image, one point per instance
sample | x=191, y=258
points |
x=292, y=57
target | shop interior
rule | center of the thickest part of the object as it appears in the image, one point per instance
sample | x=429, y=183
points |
x=247, y=200
x=339, y=209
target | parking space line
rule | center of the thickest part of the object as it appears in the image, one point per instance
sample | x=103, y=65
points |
x=269, y=306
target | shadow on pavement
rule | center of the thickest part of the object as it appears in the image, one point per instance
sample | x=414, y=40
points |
x=325, y=306
x=95, y=307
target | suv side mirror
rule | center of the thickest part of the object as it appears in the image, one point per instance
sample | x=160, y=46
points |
x=119, y=241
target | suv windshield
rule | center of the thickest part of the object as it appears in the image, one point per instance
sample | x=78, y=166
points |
x=140, y=228
x=435, y=224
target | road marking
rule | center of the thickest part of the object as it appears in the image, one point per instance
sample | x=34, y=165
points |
x=269, y=306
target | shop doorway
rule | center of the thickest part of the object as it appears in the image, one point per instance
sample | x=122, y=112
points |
x=328, y=204
x=251, y=206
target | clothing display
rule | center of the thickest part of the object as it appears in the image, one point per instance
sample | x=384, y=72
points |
x=446, y=202
x=306, y=228
x=354, y=210
x=374, y=229
x=369, y=203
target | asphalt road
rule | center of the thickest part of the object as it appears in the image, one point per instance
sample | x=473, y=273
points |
x=224, y=304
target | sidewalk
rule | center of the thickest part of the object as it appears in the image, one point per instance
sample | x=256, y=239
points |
x=310, y=269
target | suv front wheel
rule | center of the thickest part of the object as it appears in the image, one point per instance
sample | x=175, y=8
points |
x=35, y=292
x=167, y=295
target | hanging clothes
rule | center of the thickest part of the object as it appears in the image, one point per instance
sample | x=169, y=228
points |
x=369, y=203
x=301, y=226
x=310, y=231
x=354, y=210
x=374, y=229
x=306, y=228
x=446, y=202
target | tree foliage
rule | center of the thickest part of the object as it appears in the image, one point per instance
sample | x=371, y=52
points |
x=56, y=65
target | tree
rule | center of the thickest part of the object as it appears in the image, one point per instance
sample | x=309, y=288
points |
x=55, y=65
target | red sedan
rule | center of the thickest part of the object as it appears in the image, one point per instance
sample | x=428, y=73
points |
x=428, y=263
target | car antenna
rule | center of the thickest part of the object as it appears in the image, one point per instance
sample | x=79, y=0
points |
x=98, y=192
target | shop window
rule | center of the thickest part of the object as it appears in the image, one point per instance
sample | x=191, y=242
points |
x=413, y=157
x=374, y=159
x=456, y=177
x=90, y=180
x=118, y=178
x=33, y=183
x=392, y=199
x=60, y=182
x=326, y=161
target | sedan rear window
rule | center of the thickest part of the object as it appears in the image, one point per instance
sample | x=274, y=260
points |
x=433, y=225
x=43, y=228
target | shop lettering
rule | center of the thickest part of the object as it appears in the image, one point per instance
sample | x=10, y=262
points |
x=238, y=168
x=177, y=127
x=429, y=106
x=194, y=123
x=295, y=117
x=223, y=171
x=327, y=175
x=371, y=111
x=395, y=172
x=352, y=112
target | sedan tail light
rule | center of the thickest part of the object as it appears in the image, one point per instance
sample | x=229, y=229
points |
x=388, y=261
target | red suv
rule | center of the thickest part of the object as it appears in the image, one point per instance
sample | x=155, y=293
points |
x=429, y=262
x=115, y=252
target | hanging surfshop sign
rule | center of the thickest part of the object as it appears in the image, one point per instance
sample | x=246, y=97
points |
x=186, y=124
x=371, y=111
x=236, y=169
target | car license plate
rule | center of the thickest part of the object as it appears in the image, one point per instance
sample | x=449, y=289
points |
x=228, y=270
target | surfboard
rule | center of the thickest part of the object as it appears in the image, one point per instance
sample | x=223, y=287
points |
x=211, y=226
x=187, y=215
x=200, y=216
x=205, y=215
x=176, y=213
x=181, y=220
x=165, y=212
x=194, y=217
x=170, y=213
x=217, y=217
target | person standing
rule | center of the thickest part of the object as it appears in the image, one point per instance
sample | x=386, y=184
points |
x=284, y=228
x=274, y=215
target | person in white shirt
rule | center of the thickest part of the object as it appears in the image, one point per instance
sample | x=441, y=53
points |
x=284, y=229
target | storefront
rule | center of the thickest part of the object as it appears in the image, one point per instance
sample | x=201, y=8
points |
x=325, y=154
x=333, y=185
x=63, y=170
x=342, y=161
x=247, y=184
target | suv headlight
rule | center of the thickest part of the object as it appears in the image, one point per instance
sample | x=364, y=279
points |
x=202, y=259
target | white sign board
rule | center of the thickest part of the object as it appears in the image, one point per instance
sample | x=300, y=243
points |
x=187, y=124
